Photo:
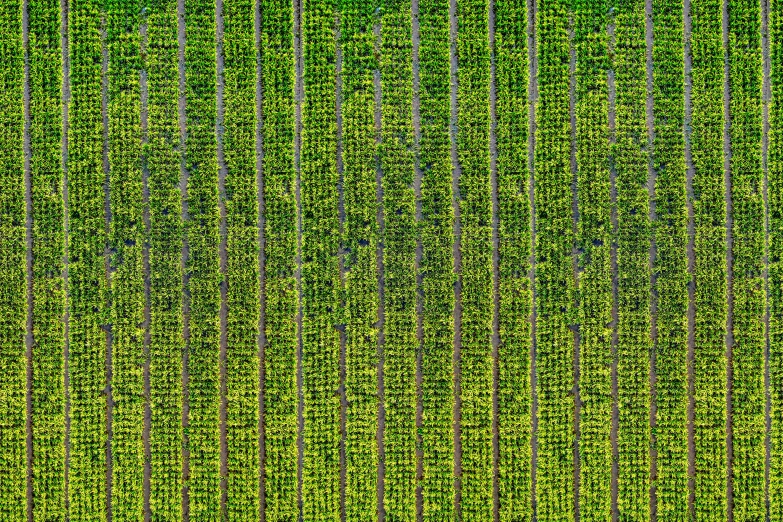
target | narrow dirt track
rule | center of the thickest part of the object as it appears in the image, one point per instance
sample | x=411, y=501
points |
x=28, y=225
x=66, y=97
x=691, y=254
x=183, y=187
x=457, y=256
x=223, y=254
x=653, y=217
x=615, y=284
x=147, y=272
x=107, y=265
x=574, y=262
x=531, y=163
x=729, y=266
x=416, y=108
x=493, y=168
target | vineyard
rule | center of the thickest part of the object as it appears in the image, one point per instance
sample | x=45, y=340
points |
x=391, y=260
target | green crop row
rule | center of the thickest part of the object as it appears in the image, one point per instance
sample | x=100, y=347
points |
x=436, y=267
x=161, y=156
x=276, y=49
x=320, y=274
x=775, y=246
x=513, y=178
x=202, y=268
x=86, y=288
x=475, y=243
x=747, y=197
x=553, y=271
x=242, y=366
x=670, y=263
x=630, y=161
x=46, y=174
x=594, y=267
x=360, y=254
x=126, y=241
x=13, y=296
x=399, y=255
x=709, y=208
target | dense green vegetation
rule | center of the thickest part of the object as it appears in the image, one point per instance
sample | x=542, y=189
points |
x=334, y=260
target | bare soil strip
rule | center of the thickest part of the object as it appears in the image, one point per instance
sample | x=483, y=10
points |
x=766, y=94
x=299, y=94
x=341, y=257
x=66, y=97
x=380, y=217
x=729, y=266
x=613, y=262
x=259, y=101
x=146, y=268
x=107, y=264
x=183, y=187
x=456, y=170
x=651, y=178
x=691, y=254
x=532, y=54
x=28, y=223
x=416, y=108
x=575, y=260
x=493, y=168
x=223, y=254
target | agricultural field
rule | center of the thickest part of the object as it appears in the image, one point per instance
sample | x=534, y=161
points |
x=391, y=260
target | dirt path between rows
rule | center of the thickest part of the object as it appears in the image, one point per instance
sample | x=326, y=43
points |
x=28, y=227
x=416, y=108
x=729, y=267
x=574, y=262
x=691, y=254
x=653, y=217
x=299, y=95
x=457, y=255
x=766, y=93
x=144, y=92
x=66, y=98
x=222, y=254
x=493, y=168
x=107, y=328
x=613, y=263
x=532, y=54
x=183, y=187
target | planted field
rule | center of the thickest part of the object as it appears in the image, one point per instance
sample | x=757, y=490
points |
x=418, y=261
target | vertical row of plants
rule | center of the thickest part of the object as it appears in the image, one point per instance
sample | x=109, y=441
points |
x=709, y=208
x=126, y=237
x=630, y=161
x=473, y=125
x=320, y=274
x=201, y=228
x=514, y=392
x=13, y=293
x=775, y=245
x=44, y=54
x=162, y=153
x=399, y=255
x=436, y=268
x=747, y=195
x=277, y=77
x=241, y=193
x=594, y=267
x=360, y=252
x=670, y=264
x=86, y=292
x=554, y=272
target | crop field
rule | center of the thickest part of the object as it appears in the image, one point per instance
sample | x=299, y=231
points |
x=391, y=260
